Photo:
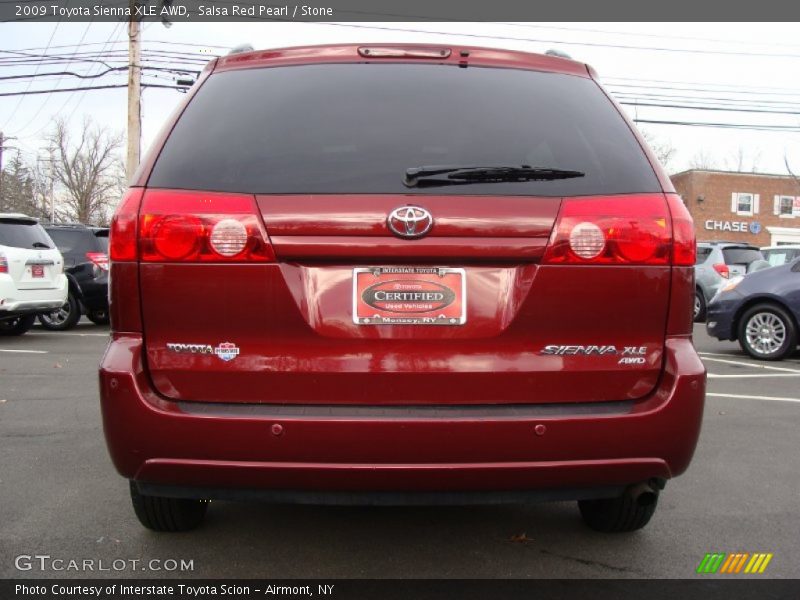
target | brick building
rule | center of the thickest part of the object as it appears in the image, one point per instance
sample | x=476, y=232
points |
x=760, y=209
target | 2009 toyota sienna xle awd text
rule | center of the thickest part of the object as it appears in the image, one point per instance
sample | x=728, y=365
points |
x=395, y=275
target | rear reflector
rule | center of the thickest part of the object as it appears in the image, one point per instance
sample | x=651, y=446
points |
x=185, y=226
x=614, y=230
x=400, y=52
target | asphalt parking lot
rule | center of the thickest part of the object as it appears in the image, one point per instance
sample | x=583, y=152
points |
x=60, y=496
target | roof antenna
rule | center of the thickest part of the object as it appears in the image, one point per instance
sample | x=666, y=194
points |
x=558, y=53
x=241, y=48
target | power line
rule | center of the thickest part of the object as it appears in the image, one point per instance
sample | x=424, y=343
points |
x=753, y=126
x=87, y=88
x=19, y=102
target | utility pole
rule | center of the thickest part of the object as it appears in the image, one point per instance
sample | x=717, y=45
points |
x=134, y=91
x=2, y=141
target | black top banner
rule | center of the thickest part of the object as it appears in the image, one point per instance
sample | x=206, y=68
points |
x=395, y=11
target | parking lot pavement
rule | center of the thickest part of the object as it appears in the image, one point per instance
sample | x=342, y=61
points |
x=61, y=496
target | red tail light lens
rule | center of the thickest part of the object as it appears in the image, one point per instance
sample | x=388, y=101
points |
x=611, y=230
x=722, y=269
x=100, y=259
x=184, y=226
x=3, y=264
x=684, y=245
x=122, y=236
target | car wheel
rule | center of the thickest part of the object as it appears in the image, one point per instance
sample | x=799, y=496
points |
x=98, y=317
x=17, y=326
x=62, y=318
x=699, y=312
x=767, y=332
x=167, y=514
x=628, y=512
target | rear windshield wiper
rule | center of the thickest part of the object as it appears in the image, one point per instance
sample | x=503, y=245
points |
x=464, y=175
x=40, y=245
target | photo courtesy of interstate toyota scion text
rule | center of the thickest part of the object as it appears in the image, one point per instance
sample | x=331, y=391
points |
x=400, y=274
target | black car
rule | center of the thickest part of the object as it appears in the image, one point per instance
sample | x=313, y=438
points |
x=85, y=251
x=761, y=310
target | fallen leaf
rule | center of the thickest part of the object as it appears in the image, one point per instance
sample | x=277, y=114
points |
x=57, y=366
x=522, y=538
x=3, y=400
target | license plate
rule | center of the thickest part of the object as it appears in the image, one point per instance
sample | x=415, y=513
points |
x=409, y=296
x=37, y=271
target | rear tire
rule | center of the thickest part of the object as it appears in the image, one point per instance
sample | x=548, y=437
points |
x=17, y=326
x=98, y=317
x=699, y=307
x=167, y=514
x=767, y=332
x=63, y=318
x=617, y=515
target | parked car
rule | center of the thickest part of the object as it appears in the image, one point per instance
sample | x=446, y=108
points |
x=780, y=255
x=761, y=311
x=31, y=273
x=346, y=289
x=717, y=263
x=85, y=251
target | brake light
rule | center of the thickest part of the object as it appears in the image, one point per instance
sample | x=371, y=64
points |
x=403, y=52
x=100, y=259
x=3, y=264
x=722, y=269
x=684, y=245
x=611, y=230
x=122, y=236
x=185, y=226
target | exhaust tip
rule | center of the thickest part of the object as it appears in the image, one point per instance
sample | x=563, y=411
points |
x=643, y=494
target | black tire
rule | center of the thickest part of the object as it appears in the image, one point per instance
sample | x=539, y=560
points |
x=699, y=307
x=618, y=515
x=167, y=514
x=62, y=318
x=17, y=326
x=767, y=332
x=98, y=317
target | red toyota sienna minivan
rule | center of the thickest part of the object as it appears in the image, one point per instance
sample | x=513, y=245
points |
x=400, y=274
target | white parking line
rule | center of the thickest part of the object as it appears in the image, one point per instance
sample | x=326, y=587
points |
x=751, y=365
x=25, y=351
x=746, y=397
x=60, y=333
x=752, y=376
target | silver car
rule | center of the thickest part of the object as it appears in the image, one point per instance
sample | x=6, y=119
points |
x=717, y=262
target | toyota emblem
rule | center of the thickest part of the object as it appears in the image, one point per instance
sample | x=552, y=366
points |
x=409, y=221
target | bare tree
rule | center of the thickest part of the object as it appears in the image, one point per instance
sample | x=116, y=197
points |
x=738, y=161
x=703, y=159
x=88, y=171
x=663, y=149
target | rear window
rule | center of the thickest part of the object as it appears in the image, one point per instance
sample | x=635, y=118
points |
x=702, y=255
x=102, y=239
x=780, y=256
x=741, y=256
x=18, y=233
x=356, y=128
x=75, y=241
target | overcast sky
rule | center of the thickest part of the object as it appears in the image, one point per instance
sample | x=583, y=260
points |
x=753, y=62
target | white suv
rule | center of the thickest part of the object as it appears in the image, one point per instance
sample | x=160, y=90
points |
x=32, y=277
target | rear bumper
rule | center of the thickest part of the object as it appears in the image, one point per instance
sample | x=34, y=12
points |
x=257, y=448
x=14, y=302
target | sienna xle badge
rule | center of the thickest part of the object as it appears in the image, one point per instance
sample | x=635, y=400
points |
x=400, y=274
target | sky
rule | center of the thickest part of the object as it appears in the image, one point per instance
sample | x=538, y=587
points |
x=753, y=66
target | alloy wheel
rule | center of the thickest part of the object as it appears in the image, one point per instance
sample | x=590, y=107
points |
x=765, y=332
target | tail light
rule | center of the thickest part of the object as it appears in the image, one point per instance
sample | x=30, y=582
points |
x=3, y=264
x=99, y=259
x=684, y=245
x=122, y=236
x=183, y=226
x=722, y=269
x=626, y=230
